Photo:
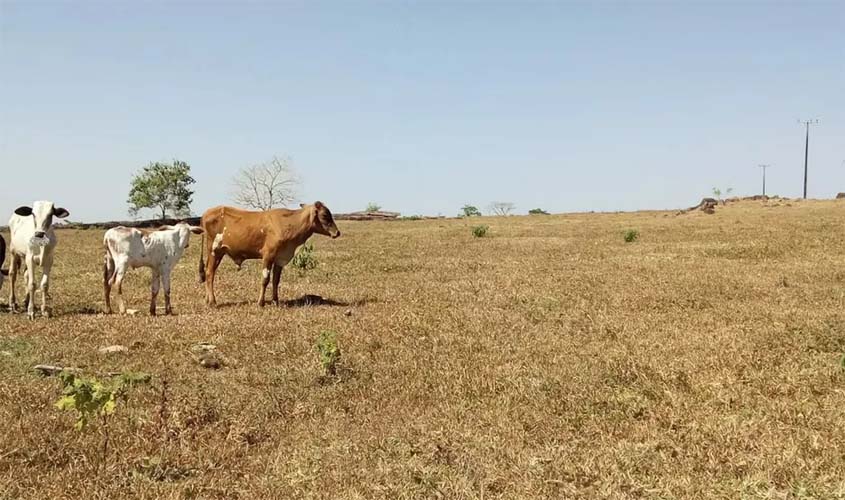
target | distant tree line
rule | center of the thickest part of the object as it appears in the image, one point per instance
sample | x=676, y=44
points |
x=166, y=188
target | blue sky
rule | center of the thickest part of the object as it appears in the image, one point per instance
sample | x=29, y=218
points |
x=422, y=106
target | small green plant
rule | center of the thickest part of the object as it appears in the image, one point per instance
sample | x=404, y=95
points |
x=372, y=207
x=480, y=231
x=537, y=211
x=411, y=217
x=631, y=235
x=470, y=211
x=94, y=399
x=304, y=258
x=329, y=351
x=91, y=398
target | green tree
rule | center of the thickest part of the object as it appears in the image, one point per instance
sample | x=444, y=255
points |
x=372, y=207
x=163, y=187
x=470, y=211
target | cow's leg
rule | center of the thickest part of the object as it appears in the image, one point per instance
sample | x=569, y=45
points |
x=165, y=281
x=155, y=284
x=214, y=258
x=119, y=274
x=14, y=267
x=277, y=276
x=108, y=275
x=25, y=286
x=267, y=267
x=46, y=267
x=30, y=286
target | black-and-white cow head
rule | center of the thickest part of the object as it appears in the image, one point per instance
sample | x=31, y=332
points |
x=43, y=212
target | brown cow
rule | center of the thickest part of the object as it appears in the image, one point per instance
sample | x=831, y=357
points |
x=272, y=236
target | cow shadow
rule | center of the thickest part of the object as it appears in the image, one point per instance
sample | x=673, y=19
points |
x=85, y=310
x=307, y=300
x=239, y=303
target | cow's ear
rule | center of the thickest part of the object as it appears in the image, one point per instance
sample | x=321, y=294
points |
x=24, y=211
x=302, y=205
x=318, y=204
x=60, y=212
x=196, y=230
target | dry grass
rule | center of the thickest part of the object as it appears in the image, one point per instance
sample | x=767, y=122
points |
x=548, y=360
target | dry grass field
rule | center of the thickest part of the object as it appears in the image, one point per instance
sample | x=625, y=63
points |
x=550, y=359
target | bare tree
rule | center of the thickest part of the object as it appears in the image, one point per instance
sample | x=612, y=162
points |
x=502, y=207
x=266, y=185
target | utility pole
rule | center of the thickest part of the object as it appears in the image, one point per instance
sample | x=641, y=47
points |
x=807, y=124
x=764, y=167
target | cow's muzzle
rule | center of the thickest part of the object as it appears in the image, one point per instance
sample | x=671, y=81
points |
x=40, y=234
x=39, y=241
x=336, y=234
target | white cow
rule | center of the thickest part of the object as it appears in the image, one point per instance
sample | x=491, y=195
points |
x=33, y=242
x=157, y=249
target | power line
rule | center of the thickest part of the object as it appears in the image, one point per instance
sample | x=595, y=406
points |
x=807, y=124
x=764, y=167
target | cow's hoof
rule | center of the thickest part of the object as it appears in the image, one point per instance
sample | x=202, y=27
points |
x=45, y=314
x=31, y=315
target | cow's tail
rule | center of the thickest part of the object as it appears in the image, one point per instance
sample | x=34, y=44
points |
x=3, y=272
x=108, y=265
x=202, y=263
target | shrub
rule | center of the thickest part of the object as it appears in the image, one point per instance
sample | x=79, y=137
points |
x=631, y=235
x=304, y=258
x=94, y=399
x=372, y=207
x=411, y=217
x=91, y=398
x=480, y=231
x=329, y=351
x=537, y=211
x=470, y=211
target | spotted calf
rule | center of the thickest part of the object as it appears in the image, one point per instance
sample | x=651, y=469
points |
x=159, y=250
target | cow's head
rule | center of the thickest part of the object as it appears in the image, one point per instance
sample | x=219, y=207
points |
x=184, y=231
x=322, y=220
x=43, y=213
